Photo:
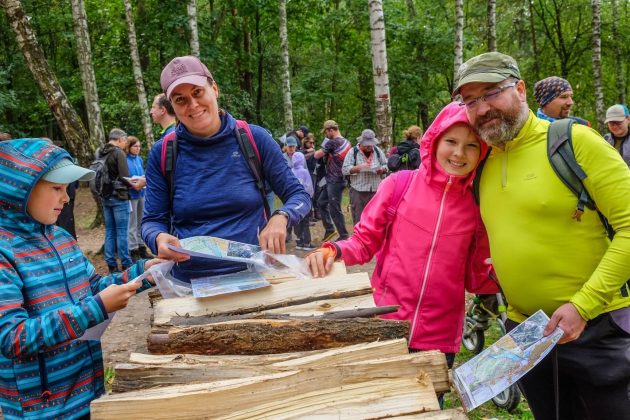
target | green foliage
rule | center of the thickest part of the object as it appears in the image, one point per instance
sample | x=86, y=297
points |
x=330, y=57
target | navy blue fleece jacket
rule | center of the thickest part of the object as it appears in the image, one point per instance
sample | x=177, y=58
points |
x=215, y=193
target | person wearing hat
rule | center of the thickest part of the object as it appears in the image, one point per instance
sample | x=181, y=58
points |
x=545, y=256
x=555, y=100
x=116, y=207
x=617, y=119
x=334, y=149
x=365, y=166
x=51, y=293
x=215, y=192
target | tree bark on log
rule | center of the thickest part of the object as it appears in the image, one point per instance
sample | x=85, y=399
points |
x=269, y=336
x=346, y=314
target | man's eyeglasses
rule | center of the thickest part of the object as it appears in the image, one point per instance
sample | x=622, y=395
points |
x=488, y=97
x=617, y=123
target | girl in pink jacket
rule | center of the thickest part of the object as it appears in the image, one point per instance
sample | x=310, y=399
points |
x=426, y=232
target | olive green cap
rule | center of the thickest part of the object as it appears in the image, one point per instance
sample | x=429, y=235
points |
x=492, y=67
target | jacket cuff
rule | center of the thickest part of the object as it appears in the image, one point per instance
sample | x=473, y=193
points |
x=101, y=305
x=334, y=247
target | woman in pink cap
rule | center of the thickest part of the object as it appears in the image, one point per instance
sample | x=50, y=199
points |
x=208, y=187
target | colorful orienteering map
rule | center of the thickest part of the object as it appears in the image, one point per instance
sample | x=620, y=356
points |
x=211, y=247
x=505, y=362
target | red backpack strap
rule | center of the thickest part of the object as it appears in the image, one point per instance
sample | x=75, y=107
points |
x=165, y=141
x=243, y=124
x=402, y=182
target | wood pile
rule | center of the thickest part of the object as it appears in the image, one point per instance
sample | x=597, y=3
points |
x=297, y=349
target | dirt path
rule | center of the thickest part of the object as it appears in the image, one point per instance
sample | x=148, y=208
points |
x=128, y=331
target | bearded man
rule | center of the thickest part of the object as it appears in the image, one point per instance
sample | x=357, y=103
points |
x=546, y=259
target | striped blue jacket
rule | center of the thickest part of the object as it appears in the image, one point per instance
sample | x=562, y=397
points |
x=47, y=299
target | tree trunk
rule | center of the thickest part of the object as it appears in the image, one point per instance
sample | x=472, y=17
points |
x=90, y=91
x=265, y=336
x=381, y=78
x=411, y=9
x=259, y=70
x=596, y=44
x=492, y=25
x=619, y=62
x=137, y=75
x=459, y=35
x=286, y=77
x=192, y=23
x=532, y=29
x=69, y=122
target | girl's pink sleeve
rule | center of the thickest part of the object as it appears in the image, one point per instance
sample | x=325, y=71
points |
x=371, y=231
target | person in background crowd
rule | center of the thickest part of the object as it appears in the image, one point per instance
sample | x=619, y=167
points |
x=617, y=119
x=290, y=149
x=406, y=155
x=51, y=293
x=5, y=136
x=365, y=165
x=138, y=181
x=214, y=192
x=308, y=150
x=547, y=256
x=116, y=205
x=162, y=113
x=302, y=229
x=433, y=247
x=555, y=99
x=335, y=149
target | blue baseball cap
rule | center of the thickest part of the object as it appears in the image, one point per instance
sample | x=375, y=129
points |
x=66, y=172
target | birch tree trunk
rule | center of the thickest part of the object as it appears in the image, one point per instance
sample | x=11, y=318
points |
x=192, y=22
x=492, y=25
x=619, y=76
x=381, y=78
x=596, y=45
x=286, y=77
x=90, y=91
x=66, y=116
x=459, y=35
x=532, y=28
x=137, y=75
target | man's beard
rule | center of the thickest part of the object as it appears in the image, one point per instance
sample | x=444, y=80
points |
x=510, y=123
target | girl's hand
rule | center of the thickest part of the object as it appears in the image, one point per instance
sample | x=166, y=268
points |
x=320, y=261
x=116, y=296
x=164, y=252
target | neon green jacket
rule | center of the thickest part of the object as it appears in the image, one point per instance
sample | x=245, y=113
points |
x=543, y=257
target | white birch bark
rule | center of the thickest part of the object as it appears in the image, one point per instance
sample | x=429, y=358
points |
x=379, y=71
x=596, y=46
x=286, y=77
x=137, y=75
x=192, y=22
x=492, y=25
x=459, y=35
x=86, y=69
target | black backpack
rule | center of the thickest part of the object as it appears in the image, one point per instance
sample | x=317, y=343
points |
x=101, y=185
x=406, y=160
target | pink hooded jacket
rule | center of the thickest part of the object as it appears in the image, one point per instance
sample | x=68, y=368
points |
x=433, y=247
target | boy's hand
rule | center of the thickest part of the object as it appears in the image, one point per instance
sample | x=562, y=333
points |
x=116, y=296
x=320, y=261
x=162, y=242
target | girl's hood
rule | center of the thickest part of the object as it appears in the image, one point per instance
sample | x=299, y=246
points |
x=450, y=115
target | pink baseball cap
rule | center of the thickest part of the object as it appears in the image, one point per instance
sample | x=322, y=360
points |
x=187, y=69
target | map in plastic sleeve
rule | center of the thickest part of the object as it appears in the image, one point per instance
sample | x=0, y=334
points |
x=502, y=364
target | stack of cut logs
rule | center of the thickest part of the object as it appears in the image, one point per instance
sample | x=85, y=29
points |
x=298, y=349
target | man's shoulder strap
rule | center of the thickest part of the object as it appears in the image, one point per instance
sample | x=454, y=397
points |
x=477, y=178
x=355, y=150
x=248, y=147
x=565, y=165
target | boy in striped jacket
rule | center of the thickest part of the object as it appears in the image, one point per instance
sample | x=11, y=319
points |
x=49, y=292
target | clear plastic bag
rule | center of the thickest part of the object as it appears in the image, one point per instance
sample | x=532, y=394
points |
x=169, y=286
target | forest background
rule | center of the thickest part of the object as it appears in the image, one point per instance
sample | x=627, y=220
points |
x=329, y=58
